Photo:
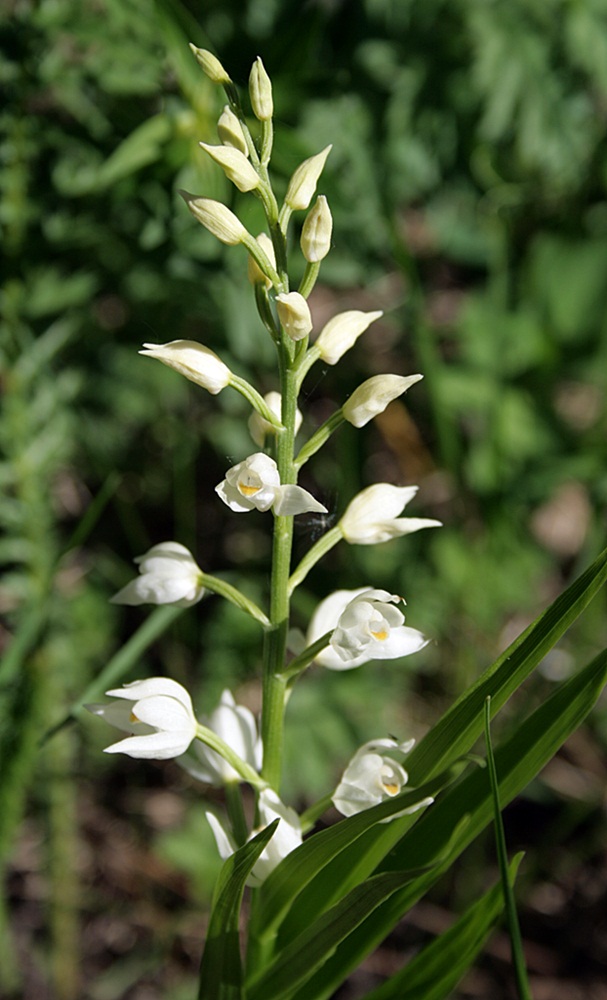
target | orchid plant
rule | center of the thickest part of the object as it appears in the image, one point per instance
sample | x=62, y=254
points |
x=321, y=899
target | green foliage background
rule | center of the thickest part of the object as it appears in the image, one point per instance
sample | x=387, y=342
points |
x=467, y=183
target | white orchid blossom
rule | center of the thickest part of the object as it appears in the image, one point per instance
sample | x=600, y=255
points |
x=169, y=574
x=259, y=428
x=294, y=315
x=342, y=332
x=304, y=180
x=366, y=626
x=373, y=515
x=160, y=718
x=236, y=726
x=198, y=363
x=286, y=838
x=255, y=484
x=235, y=166
x=373, y=396
x=372, y=776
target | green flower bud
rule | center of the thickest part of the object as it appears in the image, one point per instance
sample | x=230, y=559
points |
x=211, y=65
x=303, y=182
x=316, y=233
x=235, y=166
x=218, y=219
x=260, y=92
x=230, y=131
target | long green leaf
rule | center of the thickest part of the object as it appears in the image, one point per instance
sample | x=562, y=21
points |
x=302, y=865
x=297, y=963
x=436, y=969
x=462, y=724
x=221, y=967
x=453, y=736
x=521, y=757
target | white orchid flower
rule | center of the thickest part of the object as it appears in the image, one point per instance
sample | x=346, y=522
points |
x=342, y=332
x=255, y=484
x=160, y=717
x=373, y=396
x=169, y=574
x=198, y=363
x=373, y=515
x=366, y=626
x=372, y=776
x=286, y=838
x=294, y=315
x=235, y=166
x=304, y=180
x=259, y=428
x=236, y=726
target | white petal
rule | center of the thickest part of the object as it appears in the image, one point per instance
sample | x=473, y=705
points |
x=152, y=686
x=157, y=746
x=233, y=498
x=225, y=845
x=295, y=500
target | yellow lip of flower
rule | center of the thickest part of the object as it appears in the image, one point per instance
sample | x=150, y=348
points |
x=381, y=636
x=390, y=788
x=249, y=491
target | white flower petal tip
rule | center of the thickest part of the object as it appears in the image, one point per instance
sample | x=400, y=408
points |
x=255, y=484
x=373, y=396
x=287, y=836
x=372, y=776
x=373, y=515
x=217, y=218
x=169, y=574
x=236, y=726
x=161, y=719
x=366, y=625
x=196, y=362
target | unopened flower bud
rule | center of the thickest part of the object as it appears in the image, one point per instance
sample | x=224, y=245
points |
x=260, y=92
x=294, y=315
x=303, y=182
x=211, y=65
x=230, y=131
x=215, y=217
x=254, y=273
x=196, y=362
x=372, y=397
x=235, y=166
x=316, y=233
x=341, y=332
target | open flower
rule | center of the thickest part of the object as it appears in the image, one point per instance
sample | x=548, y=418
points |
x=255, y=484
x=168, y=575
x=373, y=776
x=196, y=362
x=286, y=838
x=371, y=398
x=160, y=717
x=259, y=428
x=373, y=515
x=366, y=626
x=236, y=726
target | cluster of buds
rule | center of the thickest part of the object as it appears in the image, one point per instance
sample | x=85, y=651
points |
x=349, y=627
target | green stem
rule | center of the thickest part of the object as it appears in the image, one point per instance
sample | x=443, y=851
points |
x=309, y=817
x=256, y=400
x=236, y=812
x=319, y=438
x=235, y=596
x=299, y=664
x=309, y=278
x=212, y=740
x=322, y=546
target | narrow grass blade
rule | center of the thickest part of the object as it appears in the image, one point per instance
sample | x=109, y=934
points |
x=518, y=958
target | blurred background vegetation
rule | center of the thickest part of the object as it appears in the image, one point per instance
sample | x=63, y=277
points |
x=468, y=187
